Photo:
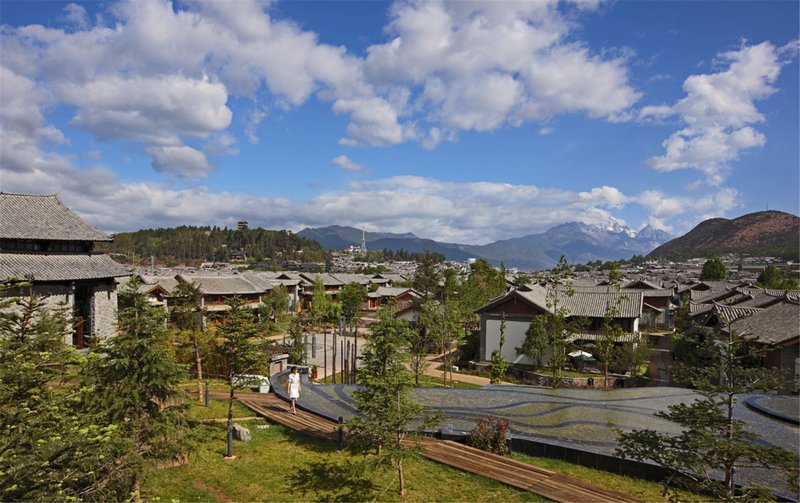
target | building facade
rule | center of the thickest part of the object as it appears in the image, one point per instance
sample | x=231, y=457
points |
x=45, y=244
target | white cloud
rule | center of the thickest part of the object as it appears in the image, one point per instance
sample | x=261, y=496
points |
x=718, y=112
x=221, y=143
x=685, y=212
x=483, y=65
x=159, y=73
x=180, y=160
x=346, y=163
x=75, y=15
x=255, y=118
x=162, y=74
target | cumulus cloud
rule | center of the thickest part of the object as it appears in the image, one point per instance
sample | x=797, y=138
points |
x=346, y=163
x=719, y=112
x=483, y=65
x=180, y=160
x=162, y=74
x=684, y=211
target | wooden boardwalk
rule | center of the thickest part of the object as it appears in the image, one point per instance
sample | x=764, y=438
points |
x=547, y=483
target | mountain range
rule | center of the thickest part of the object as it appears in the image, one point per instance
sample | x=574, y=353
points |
x=577, y=241
x=764, y=233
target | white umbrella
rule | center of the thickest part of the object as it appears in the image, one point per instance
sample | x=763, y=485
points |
x=581, y=355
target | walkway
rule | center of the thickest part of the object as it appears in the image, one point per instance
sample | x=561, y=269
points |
x=549, y=484
x=435, y=360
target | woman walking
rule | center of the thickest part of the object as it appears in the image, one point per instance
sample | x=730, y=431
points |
x=293, y=389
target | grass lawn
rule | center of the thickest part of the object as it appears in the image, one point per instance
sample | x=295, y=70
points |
x=281, y=465
x=426, y=381
x=216, y=409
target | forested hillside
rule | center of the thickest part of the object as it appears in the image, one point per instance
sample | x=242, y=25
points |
x=191, y=245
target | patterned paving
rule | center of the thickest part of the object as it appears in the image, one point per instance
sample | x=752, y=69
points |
x=577, y=418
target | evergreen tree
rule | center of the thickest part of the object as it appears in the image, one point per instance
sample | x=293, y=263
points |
x=385, y=411
x=242, y=348
x=536, y=341
x=321, y=305
x=133, y=378
x=607, y=342
x=297, y=351
x=49, y=448
x=712, y=440
x=187, y=316
x=558, y=327
x=499, y=365
x=427, y=276
x=351, y=298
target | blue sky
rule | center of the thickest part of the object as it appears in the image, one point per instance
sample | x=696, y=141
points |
x=465, y=122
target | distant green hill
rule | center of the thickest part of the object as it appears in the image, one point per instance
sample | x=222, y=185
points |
x=766, y=233
x=187, y=245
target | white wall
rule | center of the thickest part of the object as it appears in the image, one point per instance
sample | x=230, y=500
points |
x=515, y=336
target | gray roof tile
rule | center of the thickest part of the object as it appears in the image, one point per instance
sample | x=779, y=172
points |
x=43, y=217
x=60, y=267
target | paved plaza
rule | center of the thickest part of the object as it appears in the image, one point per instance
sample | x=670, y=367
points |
x=578, y=418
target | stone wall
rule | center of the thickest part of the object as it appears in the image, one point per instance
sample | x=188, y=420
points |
x=62, y=295
x=104, y=311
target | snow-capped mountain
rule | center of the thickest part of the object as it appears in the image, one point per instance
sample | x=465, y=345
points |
x=577, y=241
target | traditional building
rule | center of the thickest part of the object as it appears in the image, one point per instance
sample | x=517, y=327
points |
x=42, y=241
x=518, y=308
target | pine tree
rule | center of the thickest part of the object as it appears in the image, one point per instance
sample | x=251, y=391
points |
x=242, y=349
x=49, y=448
x=712, y=440
x=187, y=316
x=133, y=378
x=385, y=411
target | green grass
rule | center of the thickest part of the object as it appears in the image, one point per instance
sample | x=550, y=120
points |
x=217, y=409
x=280, y=465
x=426, y=381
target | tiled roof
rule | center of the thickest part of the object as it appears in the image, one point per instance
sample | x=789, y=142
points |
x=361, y=279
x=659, y=292
x=43, y=217
x=596, y=304
x=388, y=291
x=731, y=313
x=792, y=294
x=223, y=285
x=327, y=279
x=647, y=283
x=593, y=336
x=775, y=324
x=60, y=267
x=581, y=303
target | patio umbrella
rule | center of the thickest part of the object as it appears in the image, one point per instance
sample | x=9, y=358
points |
x=582, y=356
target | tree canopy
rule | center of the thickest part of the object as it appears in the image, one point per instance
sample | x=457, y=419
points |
x=772, y=277
x=713, y=270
